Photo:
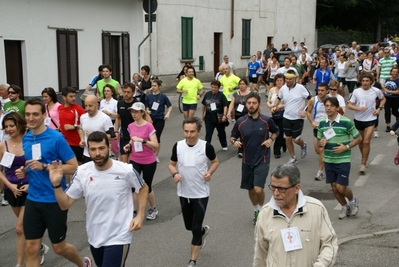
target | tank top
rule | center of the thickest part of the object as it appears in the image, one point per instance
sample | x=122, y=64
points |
x=318, y=110
x=273, y=70
x=10, y=172
x=239, y=99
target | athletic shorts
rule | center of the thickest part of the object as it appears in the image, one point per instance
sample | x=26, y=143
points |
x=187, y=107
x=271, y=80
x=78, y=152
x=122, y=143
x=361, y=125
x=292, y=128
x=254, y=175
x=41, y=216
x=114, y=255
x=15, y=202
x=253, y=80
x=337, y=173
x=315, y=132
x=341, y=80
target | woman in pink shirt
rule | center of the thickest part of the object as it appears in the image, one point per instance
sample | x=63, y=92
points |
x=142, y=143
x=50, y=99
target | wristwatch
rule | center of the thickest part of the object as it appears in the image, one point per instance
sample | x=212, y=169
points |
x=272, y=138
x=144, y=140
x=173, y=175
x=44, y=166
x=233, y=141
x=76, y=126
x=56, y=186
x=348, y=147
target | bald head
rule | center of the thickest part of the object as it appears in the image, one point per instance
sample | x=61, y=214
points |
x=91, y=105
x=91, y=99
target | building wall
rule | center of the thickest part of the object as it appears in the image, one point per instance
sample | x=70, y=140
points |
x=29, y=22
x=285, y=21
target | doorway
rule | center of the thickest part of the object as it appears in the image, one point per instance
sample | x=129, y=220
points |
x=217, y=36
x=13, y=54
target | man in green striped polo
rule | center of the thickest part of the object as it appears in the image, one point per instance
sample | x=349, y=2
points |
x=334, y=134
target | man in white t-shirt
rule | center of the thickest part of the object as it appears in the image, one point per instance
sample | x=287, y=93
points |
x=106, y=185
x=93, y=120
x=294, y=96
x=4, y=94
x=287, y=66
x=229, y=63
x=362, y=101
x=189, y=168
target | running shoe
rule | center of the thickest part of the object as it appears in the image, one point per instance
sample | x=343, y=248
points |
x=43, y=251
x=293, y=160
x=158, y=161
x=87, y=262
x=207, y=229
x=304, y=150
x=191, y=263
x=239, y=155
x=376, y=134
x=354, y=206
x=225, y=148
x=277, y=156
x=319, y=176
x=345, y=210
x=256, y=213
x=152, y=213
x=396, y=159
x=362, y=170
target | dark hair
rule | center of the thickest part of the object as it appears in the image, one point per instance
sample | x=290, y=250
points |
x=97, y=137
x=129, y=85
x=107, y=66
x=146, y=68
x=243, y=80
x=324, y=84
x=287, y=170
x=394, y=68
x=66, y=90
x=215, y=82
x=18, y=120
x=287, y=58
x=294, y=56
x=190, y=68
x=15, y=88
x=366, y=75
x=195, y=120
x=275, y=57
x=279, y=76
x=36, y=101
x=252, y=94
x=290, y=71
x=157, y=81
x=110, y=86
x=333, y=100
x=51, y=93
x=100, y=68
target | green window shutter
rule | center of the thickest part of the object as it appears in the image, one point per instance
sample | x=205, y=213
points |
x=246, y=37
x=187, y=37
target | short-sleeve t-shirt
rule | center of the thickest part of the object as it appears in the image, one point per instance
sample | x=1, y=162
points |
x=53, y=146
x=294, y=99
x=192, y=86
x=15, y=107
x=146, y=156
x=252, y=68
x=365, y=98
x=158, y=109
x=125, y=118
x=101, y=84
x=229, y=82
x=100, y=122
x=70, y=115
x=109, y=203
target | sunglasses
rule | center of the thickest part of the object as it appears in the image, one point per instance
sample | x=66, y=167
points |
x=333, y=89
x=11, y=93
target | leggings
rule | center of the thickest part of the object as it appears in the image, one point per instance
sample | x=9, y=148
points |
x=148, y=172
x=159, y=124
x=391, y=104
x=193, y=210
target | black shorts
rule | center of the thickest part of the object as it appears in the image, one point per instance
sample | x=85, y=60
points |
x=254, y=175
x=187, y=107
x=78, y=152
x=15, y=202
x=253, y=80
x=41, y=216
x=315, y=132
x=361, y=125
x=341, y=80
x=293, y=128
x=122, y=143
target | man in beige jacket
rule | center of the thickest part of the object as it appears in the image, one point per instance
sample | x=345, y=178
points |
x=293, y=229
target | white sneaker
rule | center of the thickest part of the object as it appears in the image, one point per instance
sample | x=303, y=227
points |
x=152, y=213
x=304, y=150
x=362, y=169
x=3, y=201
x=158, y=161
x=43, y=251
x=376, y=134
x=354, y=205
x=293, y=160
x=319, y=176
x=207, y=229
x=345, y=210
x=225, y=148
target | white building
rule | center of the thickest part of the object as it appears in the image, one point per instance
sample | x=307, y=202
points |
x=204, y=31
x=58, y=43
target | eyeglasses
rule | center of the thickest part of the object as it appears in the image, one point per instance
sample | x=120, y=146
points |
x=280, y=189
x=11, y=93
x=333, y=89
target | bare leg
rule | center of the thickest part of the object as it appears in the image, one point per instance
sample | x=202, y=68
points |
x=151, y=199
x=19, y=231
x=191, y=113
x=290, y=145
x=367, y=133
x=69, y=252
x=194, y=252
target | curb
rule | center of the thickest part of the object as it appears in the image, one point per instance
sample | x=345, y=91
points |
x=375, y=234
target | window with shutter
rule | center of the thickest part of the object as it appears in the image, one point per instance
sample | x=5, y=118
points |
x=246, y=37
x=187, y=38
x=67, y=54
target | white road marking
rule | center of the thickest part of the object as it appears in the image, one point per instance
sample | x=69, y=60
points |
x=377, y=159
x=361, y=180
x=392, y=142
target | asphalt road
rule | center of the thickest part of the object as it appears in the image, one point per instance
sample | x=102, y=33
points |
x=369, y=239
